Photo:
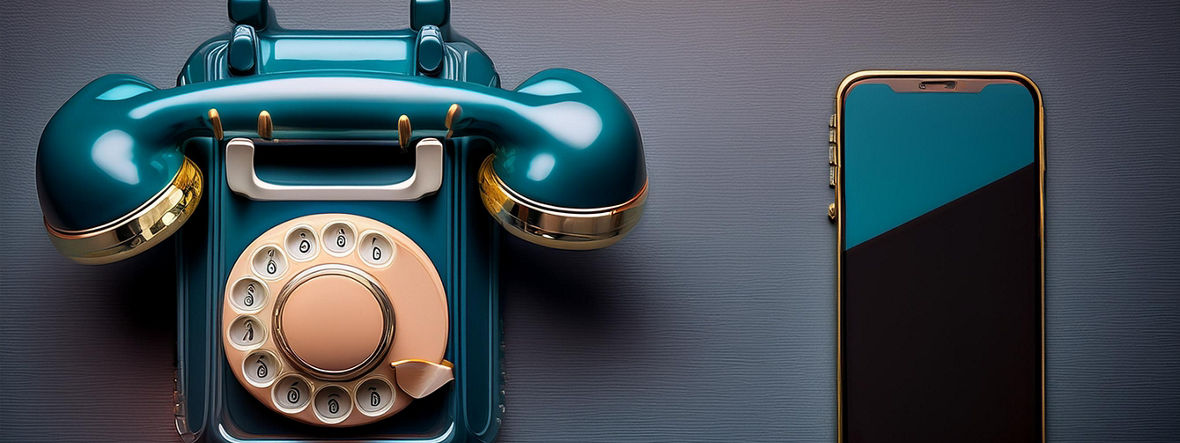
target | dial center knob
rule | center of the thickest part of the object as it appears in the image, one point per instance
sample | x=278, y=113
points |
x=334, y=322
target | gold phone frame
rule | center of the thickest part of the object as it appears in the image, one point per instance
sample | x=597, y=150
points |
x=837, y=139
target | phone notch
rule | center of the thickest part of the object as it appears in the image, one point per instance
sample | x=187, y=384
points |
x=938, y=84
x=935, y=84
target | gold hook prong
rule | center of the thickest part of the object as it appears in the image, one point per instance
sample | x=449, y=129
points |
x=452, y=115
x=403, y=132
x=266, y=126
x=215, y=120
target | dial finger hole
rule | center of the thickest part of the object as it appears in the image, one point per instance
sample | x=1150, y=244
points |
x=332, y=404
x=339, y=238
x=269, y=262
x=248, y=295
x=301, y=244
x=291, y=394
x=376, y=250
x=374, y=397
x=260, y=368
x=246, y=332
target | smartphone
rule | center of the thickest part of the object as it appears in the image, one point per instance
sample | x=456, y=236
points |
x=939, y=179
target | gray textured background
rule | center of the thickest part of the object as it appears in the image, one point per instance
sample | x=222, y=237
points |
x=714, y=321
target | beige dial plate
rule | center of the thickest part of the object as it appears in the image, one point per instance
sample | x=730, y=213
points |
x=316, y=309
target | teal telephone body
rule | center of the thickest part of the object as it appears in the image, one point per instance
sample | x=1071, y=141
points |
x=329, y=195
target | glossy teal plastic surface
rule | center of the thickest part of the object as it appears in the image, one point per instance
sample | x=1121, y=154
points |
x=451, y=226
x=906, y=153
x=562, y=138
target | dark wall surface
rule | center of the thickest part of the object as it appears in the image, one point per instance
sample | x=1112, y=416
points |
x=714, y=320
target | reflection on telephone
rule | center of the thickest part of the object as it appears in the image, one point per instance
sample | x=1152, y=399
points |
x=336, y=269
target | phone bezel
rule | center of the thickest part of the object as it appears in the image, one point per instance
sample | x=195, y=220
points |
x=846, y=85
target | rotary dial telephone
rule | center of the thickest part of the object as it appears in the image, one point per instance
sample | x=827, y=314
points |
x=329, y=194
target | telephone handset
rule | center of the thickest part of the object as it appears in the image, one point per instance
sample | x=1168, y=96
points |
x=338, y=300
x=568, y=170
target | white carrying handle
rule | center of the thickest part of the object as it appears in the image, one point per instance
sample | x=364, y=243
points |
x=243, y=180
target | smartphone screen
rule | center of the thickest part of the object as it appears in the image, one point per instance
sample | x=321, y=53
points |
x=940, y=268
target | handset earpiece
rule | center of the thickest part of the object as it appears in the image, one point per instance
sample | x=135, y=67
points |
x=573, y=176
x=105, y=194
x=568, y=170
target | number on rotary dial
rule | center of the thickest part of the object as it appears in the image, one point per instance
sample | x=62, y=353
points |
x=262, y=369
x=293, y=393
x=304, y=245
x=249, y=300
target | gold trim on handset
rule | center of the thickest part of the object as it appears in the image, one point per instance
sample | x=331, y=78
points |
x=554, y=227
x=137, y=231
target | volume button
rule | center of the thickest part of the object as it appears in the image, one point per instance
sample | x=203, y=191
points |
x=833, y=140
x=832, y=151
